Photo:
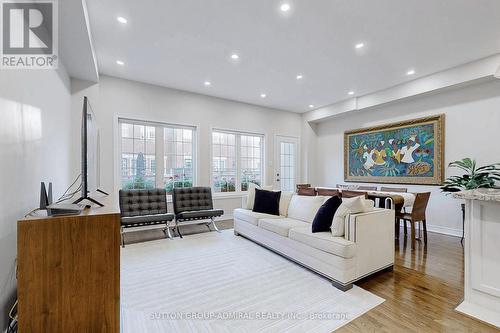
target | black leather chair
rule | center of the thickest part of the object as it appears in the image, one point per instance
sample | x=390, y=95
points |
x=194, y=203
x=140, y=208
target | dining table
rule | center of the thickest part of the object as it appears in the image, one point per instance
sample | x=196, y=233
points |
x=389, y=200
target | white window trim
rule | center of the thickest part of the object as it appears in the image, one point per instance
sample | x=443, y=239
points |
x=238, y=192
x=159, y=147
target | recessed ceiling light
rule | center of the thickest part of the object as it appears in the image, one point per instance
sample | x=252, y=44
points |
x=351, y=92
x=311, y=106
x=410, y=72
x=121, y=19
x=207, y=83
x=234, y=56
x=119, y=62
x=359, y=45
x=263, y=95
x=285, y=7
x=299, y=77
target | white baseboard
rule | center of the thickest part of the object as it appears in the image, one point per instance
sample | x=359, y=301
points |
x=443, y=230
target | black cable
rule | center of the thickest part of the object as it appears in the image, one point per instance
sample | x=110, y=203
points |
x=12, y=324
x=33, y=211
x=65, y=192
x=69, y=195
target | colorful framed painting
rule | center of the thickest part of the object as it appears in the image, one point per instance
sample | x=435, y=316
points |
x=408, y=152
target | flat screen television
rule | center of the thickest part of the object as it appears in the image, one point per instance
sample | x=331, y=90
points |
x=90, y=154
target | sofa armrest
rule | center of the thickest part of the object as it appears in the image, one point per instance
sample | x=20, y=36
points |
x=377, y=219
x=373, y=233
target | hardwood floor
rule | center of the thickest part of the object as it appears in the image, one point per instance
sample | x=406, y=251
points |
x=422, y=291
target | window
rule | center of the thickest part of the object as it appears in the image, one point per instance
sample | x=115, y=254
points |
x=251, y=160
x=236, y=160
x=178, y=146
x=137, y=150
x=156, y=155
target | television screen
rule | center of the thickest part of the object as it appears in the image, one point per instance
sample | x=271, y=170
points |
x=90, y=150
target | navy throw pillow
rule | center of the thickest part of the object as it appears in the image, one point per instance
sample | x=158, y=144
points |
x=324, y=217
x=267, y=202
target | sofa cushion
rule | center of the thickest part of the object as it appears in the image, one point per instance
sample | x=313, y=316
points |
x=324, y=217
x=304, y=208
x=267, y=202
x=281, y=226
x=251, y=193
x=252, y=217
x=349, y=206
x=285, y=202
x=324, y=241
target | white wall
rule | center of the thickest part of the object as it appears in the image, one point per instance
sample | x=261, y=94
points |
x=114, y=97
x=472, y=130
x=35, y=143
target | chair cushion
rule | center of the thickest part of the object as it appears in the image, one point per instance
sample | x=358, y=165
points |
x=324, y=241
x=251, y=217
x=192, y=198
x=147, y=219
x=267, y=202
x=143, y=202
x=281, y=226
x=304, y=208
x=200, y=214
x=329, y=192
x=309, y=191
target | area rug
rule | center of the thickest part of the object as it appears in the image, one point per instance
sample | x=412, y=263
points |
x=218, y=282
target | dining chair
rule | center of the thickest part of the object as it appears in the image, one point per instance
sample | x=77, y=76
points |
x=393, y=189
x=329, y=192
x=309, y=191
x=352, y=194
x=367, y=188
x=417, y=215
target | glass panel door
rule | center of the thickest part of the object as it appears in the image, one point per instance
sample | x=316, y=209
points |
x=286, y=163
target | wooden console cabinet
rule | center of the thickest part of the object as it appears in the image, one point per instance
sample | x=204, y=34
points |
x=69, y=272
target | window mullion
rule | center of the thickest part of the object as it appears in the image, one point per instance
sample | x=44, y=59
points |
x=238, y=163
x=159, y=155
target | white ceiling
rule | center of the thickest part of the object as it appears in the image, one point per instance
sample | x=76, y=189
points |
x=182, y=43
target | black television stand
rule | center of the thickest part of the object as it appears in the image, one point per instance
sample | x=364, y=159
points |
x=101, y=191
x=89, y=199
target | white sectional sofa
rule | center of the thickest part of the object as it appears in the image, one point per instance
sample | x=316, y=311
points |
x=367, y=246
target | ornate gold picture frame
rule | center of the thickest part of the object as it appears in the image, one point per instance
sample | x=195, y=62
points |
x=406, y=152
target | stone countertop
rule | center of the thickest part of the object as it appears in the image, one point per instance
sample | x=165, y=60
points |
x=484, y=194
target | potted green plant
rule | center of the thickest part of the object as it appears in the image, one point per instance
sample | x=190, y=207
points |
x=482, y=177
